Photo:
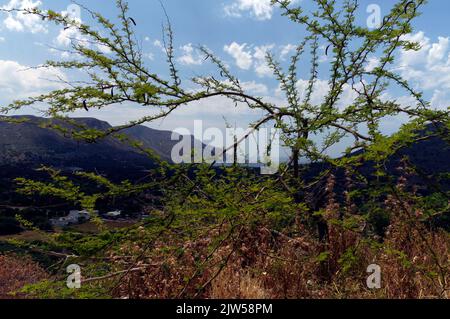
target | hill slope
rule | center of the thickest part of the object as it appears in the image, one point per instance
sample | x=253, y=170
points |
x=29, y=144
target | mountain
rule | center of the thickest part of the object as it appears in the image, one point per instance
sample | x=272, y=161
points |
x=429, y=157
x=28, y=144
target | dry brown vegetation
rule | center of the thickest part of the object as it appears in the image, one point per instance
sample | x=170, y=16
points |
x=254, y=261
x=251, y=260
x=16, y=272
x=263, y=264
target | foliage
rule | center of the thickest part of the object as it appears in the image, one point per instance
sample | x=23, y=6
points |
x=221, y=230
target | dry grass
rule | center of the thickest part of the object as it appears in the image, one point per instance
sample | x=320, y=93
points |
x=254, y=262
x=27, y=236
x=231, y=285
x=16, y=272
x=262, y=265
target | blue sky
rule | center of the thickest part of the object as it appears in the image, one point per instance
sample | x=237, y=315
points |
x=238, y=31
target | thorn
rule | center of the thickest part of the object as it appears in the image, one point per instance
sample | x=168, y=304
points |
x=85, y=106
x=326, y=50
x=132, y=20
x=407, y=6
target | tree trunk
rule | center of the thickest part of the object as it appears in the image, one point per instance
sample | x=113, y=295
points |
x=295, y=158
x=235, y=150
x=322, y=226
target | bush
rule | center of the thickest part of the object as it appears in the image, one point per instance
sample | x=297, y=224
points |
x=9, y=226
x=16, y=272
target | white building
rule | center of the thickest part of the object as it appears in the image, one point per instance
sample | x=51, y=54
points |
x=74, y=217
x=114, y=214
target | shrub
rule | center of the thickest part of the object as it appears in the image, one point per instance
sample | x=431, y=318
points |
x=16, y=272
x=9, y=226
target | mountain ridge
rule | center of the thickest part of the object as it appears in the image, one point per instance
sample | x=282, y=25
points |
x=28, y=143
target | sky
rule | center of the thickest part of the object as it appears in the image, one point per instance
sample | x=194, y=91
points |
x=240, y=32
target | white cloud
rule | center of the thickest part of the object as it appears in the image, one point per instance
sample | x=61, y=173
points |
x=149, y=56
x=103, y=48
x=18, y=21
x=245, y=58
x=373, y=62
x=19, y=81
x=259, y=9
x=323, y=56
x=255, y=88
x=190, y=55
x=261, y=67
x=66, y=36
x=2, y=39
x=72, y=34
x=69, y=35
x=440, y=99
x=411, y=56
x=242, y=57
x=438, y=50
x=320, y=90
x=428, y=69
x=214, y=112
x=287, y=49
x=159, y=45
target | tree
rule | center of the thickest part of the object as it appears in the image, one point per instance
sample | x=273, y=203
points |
x=117, y=73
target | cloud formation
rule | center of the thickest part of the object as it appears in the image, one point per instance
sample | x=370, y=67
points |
x=259, y=9
x=286, y=50
x=241, y=55
x=190, y=56
x=247, y=57
x=428, y=68
x=20, y=22
x=20, y=81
